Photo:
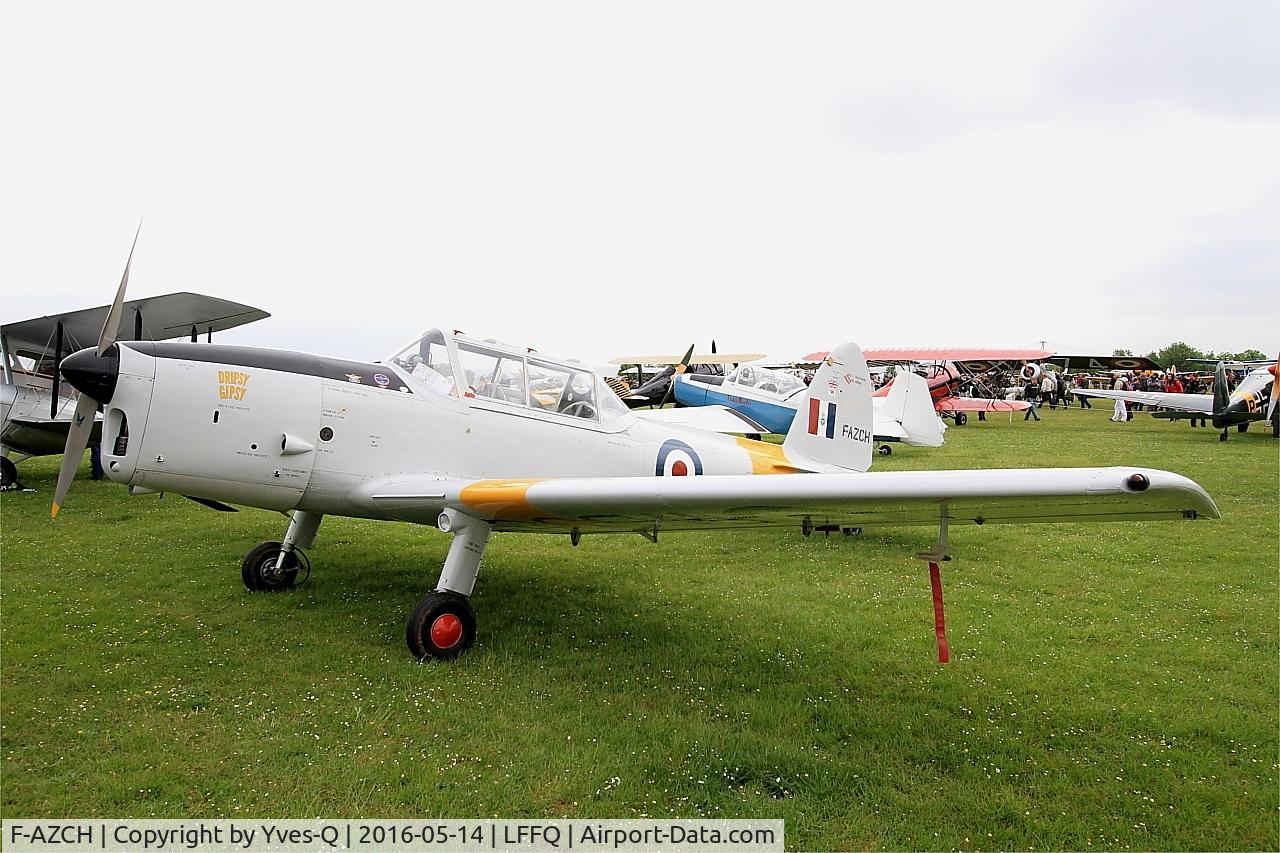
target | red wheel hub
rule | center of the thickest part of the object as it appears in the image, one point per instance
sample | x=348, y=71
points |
x=446, y=631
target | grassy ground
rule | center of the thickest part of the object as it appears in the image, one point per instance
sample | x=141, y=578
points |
x=1110, y=686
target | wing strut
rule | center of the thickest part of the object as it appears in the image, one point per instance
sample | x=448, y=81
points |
x=935, y=556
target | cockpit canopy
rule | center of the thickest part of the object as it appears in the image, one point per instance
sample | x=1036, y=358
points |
x=453, y=364
x=764, y=379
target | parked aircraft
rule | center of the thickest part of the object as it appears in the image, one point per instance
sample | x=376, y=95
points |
x=36, y=408
x=951, y=370
x=475, y=437
x=756, y=400
x=1254, y=399
x=656, y=391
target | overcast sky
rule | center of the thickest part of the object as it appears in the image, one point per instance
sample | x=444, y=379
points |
x=598, y=178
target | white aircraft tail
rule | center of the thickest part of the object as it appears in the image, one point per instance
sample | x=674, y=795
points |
x=832, y=428
x=910, y=404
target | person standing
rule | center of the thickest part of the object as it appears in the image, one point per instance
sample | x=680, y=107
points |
x=1078, y=381
x=1049, y=390
x=1121, y=413
x=1031, y=393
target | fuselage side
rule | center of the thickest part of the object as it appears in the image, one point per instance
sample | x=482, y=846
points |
x=285, y=431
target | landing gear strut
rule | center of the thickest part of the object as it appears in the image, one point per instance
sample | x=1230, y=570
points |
x=272, y=566
x=442, y=626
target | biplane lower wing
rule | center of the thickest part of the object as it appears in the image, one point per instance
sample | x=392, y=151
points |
x=41, y=436
x=651, y=504
x=979, y=404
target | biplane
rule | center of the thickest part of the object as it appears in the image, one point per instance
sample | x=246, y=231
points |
x=961, y=379
x=36, y=407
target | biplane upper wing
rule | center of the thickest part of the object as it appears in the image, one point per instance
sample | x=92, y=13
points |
x=170, y=315
x=912, y=354
x=704, y=358
x=1105, y=362
x=1163, y=399
x=654, y=504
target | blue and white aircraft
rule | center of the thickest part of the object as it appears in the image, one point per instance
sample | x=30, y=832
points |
x=751, y=399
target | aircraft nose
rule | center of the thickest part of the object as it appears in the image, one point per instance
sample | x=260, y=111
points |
x=92, y=374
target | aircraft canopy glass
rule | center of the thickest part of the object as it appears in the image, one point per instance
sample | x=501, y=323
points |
x=500, y=374
x=764, y=379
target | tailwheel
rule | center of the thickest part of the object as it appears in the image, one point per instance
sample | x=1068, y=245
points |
x=8, y=472
x=442, y=626
x=884, y=450
x=260, y=570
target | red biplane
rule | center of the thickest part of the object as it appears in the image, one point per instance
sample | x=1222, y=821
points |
x=950, y=371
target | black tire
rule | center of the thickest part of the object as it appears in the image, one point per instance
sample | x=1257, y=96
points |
x=441, y=627
x=961, y=419
x=258, y=571
x=8, y=472
x=1222, y=436
x=884, y=450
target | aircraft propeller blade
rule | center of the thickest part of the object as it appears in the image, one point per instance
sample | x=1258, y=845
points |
x=680, y=368
x=86, y=406
x=77, y=441
x=111, y=326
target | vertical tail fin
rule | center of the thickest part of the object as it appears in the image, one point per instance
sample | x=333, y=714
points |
x=1221, y=393
x=910, y=404
x=832, y=428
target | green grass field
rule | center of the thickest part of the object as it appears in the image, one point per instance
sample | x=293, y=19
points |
x=1111, y=686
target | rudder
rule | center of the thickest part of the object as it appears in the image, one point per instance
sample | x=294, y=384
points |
x=832, y=428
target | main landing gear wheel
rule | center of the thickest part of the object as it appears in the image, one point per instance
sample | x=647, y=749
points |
x=442, y=626
x=884, y=450
x=961, y=419
x=8, y=472
x=259, y=572
x=1223, y=436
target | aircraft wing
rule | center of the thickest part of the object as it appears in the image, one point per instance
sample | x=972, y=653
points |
x=1106, y=362
x=168, y=316
x=42, y=436
x=654, y=504
x=1165, y=400
x=704, y=358
x=979, y=404
x=710, y=418
x=913, y=354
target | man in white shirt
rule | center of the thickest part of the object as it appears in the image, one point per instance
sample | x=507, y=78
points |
x=1121, y=413
x=1049, y=390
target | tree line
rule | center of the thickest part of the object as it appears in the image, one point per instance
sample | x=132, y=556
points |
x=1180, y=352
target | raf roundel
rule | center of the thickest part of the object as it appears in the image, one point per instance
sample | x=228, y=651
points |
x=677, y=459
